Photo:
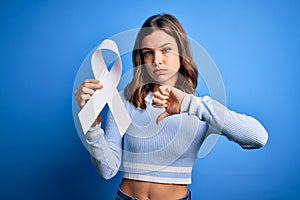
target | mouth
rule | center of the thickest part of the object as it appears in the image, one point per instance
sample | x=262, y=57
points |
x=159, y=71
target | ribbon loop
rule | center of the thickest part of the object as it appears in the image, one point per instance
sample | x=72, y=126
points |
x=108, y=94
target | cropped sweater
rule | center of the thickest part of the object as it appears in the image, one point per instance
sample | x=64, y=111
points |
x=165, y=152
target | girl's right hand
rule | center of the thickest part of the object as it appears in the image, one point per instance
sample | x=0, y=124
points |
x=85, y=91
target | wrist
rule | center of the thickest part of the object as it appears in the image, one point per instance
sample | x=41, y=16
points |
x=185, y=104
x=97, y=121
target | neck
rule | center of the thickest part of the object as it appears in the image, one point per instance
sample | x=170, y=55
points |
x=157, y=85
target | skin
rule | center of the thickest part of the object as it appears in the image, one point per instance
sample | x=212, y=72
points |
x=85, y=91
x=161, y=57
x=162, y=63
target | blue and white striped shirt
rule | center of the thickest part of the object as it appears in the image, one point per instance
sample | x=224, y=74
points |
x=165, y=153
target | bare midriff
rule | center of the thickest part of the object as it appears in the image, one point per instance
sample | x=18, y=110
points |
x=143, y=190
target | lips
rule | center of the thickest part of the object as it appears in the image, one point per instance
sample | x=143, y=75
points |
x=159, y=71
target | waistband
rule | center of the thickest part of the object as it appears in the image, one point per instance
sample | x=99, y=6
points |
x=122, y=196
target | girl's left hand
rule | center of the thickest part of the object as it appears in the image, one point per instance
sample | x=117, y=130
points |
x=169, y=98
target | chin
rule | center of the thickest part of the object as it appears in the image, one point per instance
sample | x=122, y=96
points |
x=161, y=82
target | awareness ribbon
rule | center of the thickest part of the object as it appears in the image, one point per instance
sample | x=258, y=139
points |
x=108, y=94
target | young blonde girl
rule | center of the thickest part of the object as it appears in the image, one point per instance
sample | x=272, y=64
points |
x=169, y=123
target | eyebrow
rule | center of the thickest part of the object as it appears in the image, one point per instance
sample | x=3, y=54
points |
x=163, y=45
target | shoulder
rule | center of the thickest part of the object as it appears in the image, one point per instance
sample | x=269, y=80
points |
x=128, y=105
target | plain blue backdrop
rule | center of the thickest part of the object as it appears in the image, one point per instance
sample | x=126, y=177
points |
x=255, y=45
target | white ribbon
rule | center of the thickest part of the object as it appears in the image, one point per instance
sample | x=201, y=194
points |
x=108, y=94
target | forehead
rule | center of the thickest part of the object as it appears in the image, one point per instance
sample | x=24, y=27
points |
x=156, y=39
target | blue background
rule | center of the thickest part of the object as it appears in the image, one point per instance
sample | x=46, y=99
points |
x=255, y=45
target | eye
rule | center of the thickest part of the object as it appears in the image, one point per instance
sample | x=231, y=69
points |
x=147, y=53
x=166, y=50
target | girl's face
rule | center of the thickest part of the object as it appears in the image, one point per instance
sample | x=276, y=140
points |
x=161, y=57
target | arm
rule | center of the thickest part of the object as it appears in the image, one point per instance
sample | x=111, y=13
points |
x=243, y=129
x=105, y=148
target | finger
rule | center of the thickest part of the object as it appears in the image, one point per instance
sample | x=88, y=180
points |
x=162, y=116
x=164, y=90
x=85, y=97
x=159, y=106
x=159, y=102
x=161, y=96
x=81, y=103
x=93, y=86
x=169, y=90
x=87, y=90
x=82, y=99
x=91, y=81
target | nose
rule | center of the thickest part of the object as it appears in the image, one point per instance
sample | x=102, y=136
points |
x=157, y=60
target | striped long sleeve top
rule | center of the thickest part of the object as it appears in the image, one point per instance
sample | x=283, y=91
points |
x=166, y=152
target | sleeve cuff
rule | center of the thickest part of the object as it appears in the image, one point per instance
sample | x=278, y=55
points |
x=185, y=103
x=94, y=133
x=190, y=104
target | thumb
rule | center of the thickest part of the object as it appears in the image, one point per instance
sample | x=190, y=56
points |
x=162, y=116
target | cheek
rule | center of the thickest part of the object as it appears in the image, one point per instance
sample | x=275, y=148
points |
x=148, y=68
x=148, y=59
x=174, y=61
